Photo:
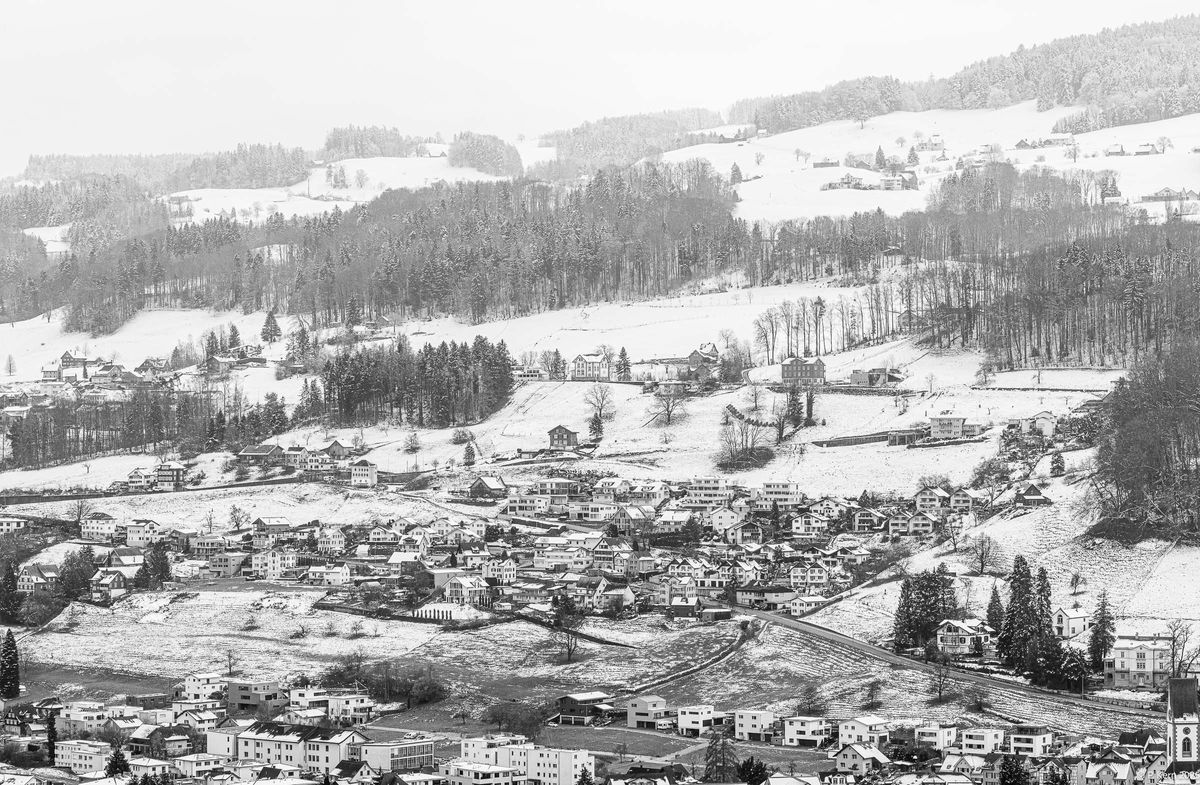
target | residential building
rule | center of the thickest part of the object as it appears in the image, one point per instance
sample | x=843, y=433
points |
x=591, y=366
x=538, y=765
x=868, y=729
x=931, y=499
x=980, y=741
x=697, y=720
x=309, y=747
x=802, y=731
x=860, y=759
x=1138, y=662
x=331, y=540
x=1069, y=622
x=169, y=475
x=649, y=712
x=798, y=370
x=142, y=766
x=563, y=438
x=199, y=765
x=329, y=574
x=398, y=755
x=707, y=492
x=938, y=736
x=461, y=771
x=82, y=756
x=255, y=696
x=363, y=474
x=11, y=525
x=140, y=479
x=264, y=454
x=142, y=533
x=751, y=725
x=1031, y=496
x=952, y=426
x=580, y=708
x=98, y=527
x=957, y=638
x=37, y=579
x=1030, y=740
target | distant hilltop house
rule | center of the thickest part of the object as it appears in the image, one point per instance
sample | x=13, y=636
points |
x=590, y=366
x=1114, y=150
x=1148, y=148
x=699, y=365
x=930, y=144
x=952, y=426
x=799, y=370
x=1171, y=195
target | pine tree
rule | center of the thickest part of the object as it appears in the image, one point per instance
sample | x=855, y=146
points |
x=585, y=777
x=913, y=158
x=10, y=600
x=51, y=737
x=753, y=771
x=595, y=427
x=1020, y=620
x=1058, y=466
x=353, y=312
x=880, y=158
x=235, y=337
x=10, y=668
x=735, y=175
x=116, y=763
x=1042, y=607
x=270, y=329
x=1104, y=632
x=720, y=759
x=902, y=624
x=1012, y=772
x=624, y=368
x=995, y=610
x=468, y=455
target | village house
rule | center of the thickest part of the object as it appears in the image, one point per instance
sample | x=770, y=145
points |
x=1030, y=740
x=1070, y=622
x=796, y=370
x=363, y=474
x=860, y=759
x=868, y=729
x=767, y=596
x=468, y=590
x=590, y=366
x=981, y=741
x=952, y=426
x=967, y=499
x=749, y=725
x=37, y=579
x=563, y=438
x=649, y=712
x=965, y=638
x=800, y=731
x=328, y=574
x=140, y=480
x=331, y=540
x=488, y=486
x=11, y=525
x=314, y=748
x=938, y=736
x=931, y=499
x=1031, y=496
x=142, y=533
x=82, y=756
x=649, y=492
x=697, y=720
x=170, y=475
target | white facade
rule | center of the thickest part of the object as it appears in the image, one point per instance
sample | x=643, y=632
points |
x=753, y=725
x=544, y=765
x=82, y=755
x=806, y=731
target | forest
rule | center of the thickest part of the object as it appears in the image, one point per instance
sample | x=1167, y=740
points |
x=1131, y=74
x=622, y=140
x=489, y=154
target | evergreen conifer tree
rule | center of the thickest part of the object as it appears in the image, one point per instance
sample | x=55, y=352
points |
x=913, y=158
x=51, y=737
x=995, y=610
x=624, y=367
x=1104, y=632
x=1020, y=621
x=10, y=668
x=720, y=759
x=116, y=763
x=235, y=337
x=468, y=455
x=585, y=777
x=595, y=426
x=10, y=600
x=735, y=174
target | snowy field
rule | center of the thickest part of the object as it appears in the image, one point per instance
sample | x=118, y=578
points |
x=53, y=237
x=779, y=184
x=151, y=333
x=313, y=195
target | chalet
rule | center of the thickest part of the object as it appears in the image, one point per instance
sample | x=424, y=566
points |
x=109, y=583
x=219, y=365
x=1147, y=148
x=467, y=590
x=487, y=486
x=611, y=489
x=810, y=525
x=867, y=520
x=363, y=474
x=590, y=366
x=151, y=367
x=1115, y=149
x=331, y=540
x=563, y=438
x=140, y=480
x=967, y=637
x=651, y=492
x=38, y=579
x=796, y=370
x=920, y=524
x=170, y=475
x=1031, y=496
x=262, y=454
x=744, y=533
x=1042, y=424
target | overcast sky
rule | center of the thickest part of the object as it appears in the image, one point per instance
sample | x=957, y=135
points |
x=159, y=76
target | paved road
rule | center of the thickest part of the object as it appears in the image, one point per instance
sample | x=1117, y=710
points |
x=871, y=650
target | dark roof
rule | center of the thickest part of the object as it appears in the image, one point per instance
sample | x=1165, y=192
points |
x=1182, y=698
x=259, y=449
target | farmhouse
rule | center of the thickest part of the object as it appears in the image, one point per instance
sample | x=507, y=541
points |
x=363, y=474
x=962, y=638
x=563, y=438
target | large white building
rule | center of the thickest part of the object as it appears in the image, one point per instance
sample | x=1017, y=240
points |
x=535, y=764
x=399, y=755
x=82, y=755
x=309, y=747
x=1139, y=662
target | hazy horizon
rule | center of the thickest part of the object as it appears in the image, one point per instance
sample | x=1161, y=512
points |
x=139, y=77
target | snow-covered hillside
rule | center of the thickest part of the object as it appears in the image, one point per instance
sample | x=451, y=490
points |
x=315, y=194
x=152, y=333
x=780, y=181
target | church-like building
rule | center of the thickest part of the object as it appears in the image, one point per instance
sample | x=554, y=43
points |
x=1183, y=727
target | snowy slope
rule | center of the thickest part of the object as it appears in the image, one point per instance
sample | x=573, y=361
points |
x=313, y=195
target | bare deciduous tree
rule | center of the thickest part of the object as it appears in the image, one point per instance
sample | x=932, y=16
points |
x=600, y=398
x=666, y=407
x=984, y=554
